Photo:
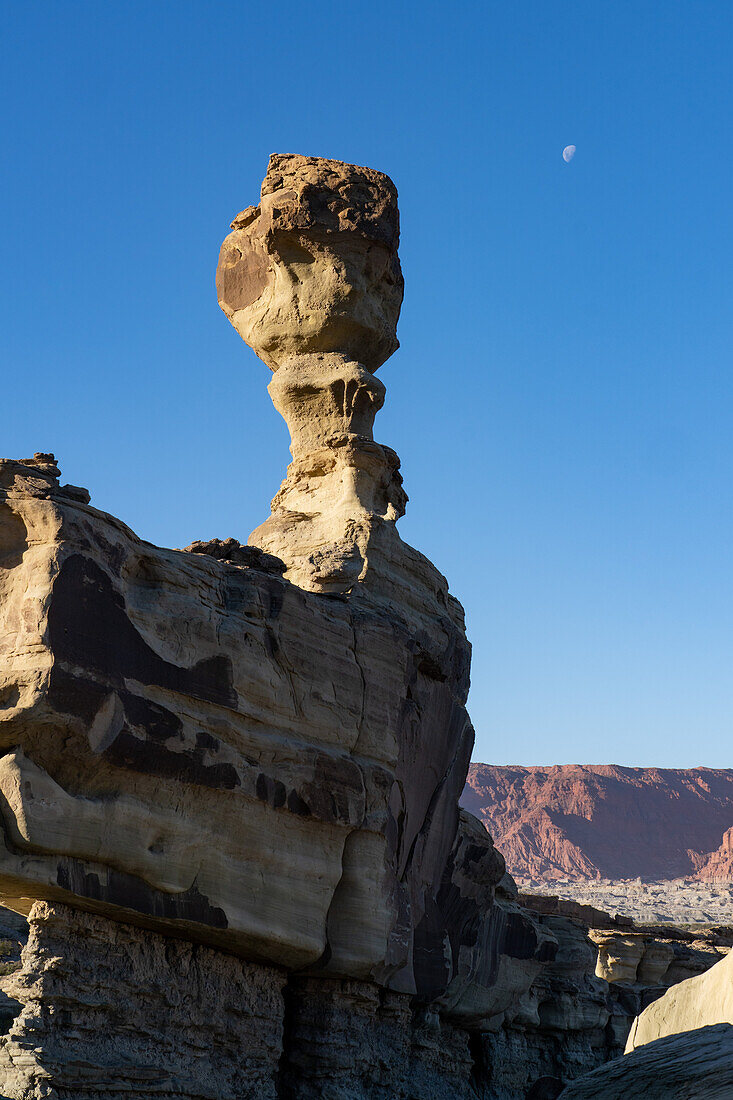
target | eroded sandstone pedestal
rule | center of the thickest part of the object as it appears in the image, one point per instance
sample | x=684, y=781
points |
x=311, y=280
x=230, y=775
x=258, y=749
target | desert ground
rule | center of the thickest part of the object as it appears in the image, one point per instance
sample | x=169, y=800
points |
x=682, y=901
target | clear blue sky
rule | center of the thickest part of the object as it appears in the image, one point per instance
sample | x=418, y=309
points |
x=562, y=399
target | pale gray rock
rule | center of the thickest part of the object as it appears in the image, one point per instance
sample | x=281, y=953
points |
x=112, y=1011
x=348, y=1040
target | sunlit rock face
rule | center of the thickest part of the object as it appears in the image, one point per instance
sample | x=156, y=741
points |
x=313, y=268
x=230, y=774
x=202, y=744
x=311, y=280
x=261, y=748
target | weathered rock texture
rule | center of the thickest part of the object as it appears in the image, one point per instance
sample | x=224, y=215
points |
x=230, y=775
x=104, y=1009
x=680, y=1047
x=604, y=821
x=270, y=765
x=697, y=1065
x=718, y=866
x=203, y=748
x=698, y=1002
x=311, y=280
x=110, y=1010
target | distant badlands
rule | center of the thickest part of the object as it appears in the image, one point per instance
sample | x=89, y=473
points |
x=584, y=823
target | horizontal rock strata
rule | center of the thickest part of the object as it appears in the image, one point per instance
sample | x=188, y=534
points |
x=198, y=746
x=112, y=1011
x=697, y=1065
x=230, y=775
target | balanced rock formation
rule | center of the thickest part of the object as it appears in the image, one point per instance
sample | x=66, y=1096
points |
x=230, y=774
x=585, y=822
x=311, y=279
x=257, y=750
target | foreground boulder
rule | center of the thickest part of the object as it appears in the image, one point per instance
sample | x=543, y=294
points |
x=697, y=1065
x=698, y=1002
x=679, y=1048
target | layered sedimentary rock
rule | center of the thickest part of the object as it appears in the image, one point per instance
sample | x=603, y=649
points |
x=311, y=280
x=584, y=822
x=636, y=969
x=718, y=866
x=111, y=1010
x=269, y=764
x=230, y=775
x=259, y=749
x=697, y=1065
x=205, y=748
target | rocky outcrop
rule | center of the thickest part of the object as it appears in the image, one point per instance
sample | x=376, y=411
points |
x=579, y=1010
x=680, y=1046
x=718, y=866
x=633, y=957
x=584, y=822
x=230, y=775
x=110, y=1010
x=697, y=1065
x=698, y=1002
x=311, y=279
x=266, y=763
x=259, y=749
x=555, y=906
x=658, y=957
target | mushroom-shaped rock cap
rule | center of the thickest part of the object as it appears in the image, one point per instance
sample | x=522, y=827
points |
x=314, y=268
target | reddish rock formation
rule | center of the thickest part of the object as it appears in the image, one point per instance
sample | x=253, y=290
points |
x=603, y=821
x=718, y=867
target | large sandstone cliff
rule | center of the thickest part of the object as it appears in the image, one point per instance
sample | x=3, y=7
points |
x=256, y=749
x=230, y=775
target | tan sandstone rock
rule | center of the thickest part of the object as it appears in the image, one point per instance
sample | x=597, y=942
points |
x=311, y=280
x=313, y=269
x=271, y=765
x=230, y=775
x=632, y=957
x=698, y=1002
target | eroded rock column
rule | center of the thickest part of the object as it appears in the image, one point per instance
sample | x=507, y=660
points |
x=311, y=280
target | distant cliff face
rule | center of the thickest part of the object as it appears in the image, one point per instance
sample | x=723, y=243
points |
x=586, y=821
x=718, y=866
